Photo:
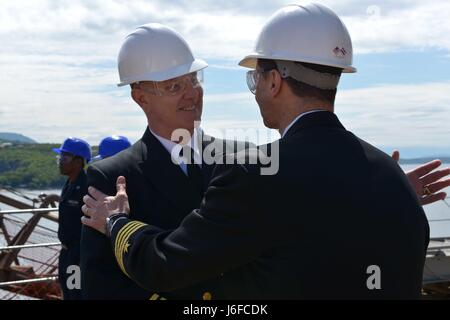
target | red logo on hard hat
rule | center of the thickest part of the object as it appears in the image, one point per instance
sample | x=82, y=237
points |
x=339, y=52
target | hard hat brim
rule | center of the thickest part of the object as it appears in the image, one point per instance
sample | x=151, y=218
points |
x=251, y=60
x=59, y=150
x=178, y=71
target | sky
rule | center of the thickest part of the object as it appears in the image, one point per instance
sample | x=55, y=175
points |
x=58, y=68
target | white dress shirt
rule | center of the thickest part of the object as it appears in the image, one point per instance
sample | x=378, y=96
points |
x=170, y=145
x=296, y=119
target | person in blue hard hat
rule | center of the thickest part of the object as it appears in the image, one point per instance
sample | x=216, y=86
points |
x=111, y=145
x=72, y=157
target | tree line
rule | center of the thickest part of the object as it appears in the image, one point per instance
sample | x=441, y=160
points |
x=30, y=166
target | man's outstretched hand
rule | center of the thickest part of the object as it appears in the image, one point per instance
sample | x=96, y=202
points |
x=426, y=183
x=98, y=206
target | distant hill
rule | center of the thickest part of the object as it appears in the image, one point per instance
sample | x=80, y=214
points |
x=15, y=137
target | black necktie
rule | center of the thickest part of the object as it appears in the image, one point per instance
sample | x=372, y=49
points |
x=194, y=171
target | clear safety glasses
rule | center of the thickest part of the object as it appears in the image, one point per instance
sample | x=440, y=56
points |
x=64, y=157
x=252, y=80
x=176, y=86
x=253, y=77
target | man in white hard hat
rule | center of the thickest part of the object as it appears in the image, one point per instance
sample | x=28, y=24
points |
x=165, y=81
x=338, y=220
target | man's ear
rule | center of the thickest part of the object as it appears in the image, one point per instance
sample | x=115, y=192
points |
x=275, y=82
x=138, y=97
x=81, y=162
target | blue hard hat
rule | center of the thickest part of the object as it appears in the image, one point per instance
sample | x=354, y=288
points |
x=111, y=145
x=75, y=146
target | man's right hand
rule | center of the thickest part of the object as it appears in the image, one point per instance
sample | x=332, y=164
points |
x=427, y=183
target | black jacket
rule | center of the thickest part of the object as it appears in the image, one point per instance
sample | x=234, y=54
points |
x=160, y=193
x=336, y=207
x=69, y=229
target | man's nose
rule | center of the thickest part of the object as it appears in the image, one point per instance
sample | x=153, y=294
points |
x=191, y=91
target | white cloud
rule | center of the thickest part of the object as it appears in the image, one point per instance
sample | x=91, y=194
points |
x=214, y=29
x=398, y=115
x=230, y=98
x=387, y=115
x=229, y=67
x=58, y=59
x=49, y=102
x=414, y=27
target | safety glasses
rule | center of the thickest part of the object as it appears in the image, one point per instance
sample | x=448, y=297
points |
x=64, y=157
x=176, y=86
x=253, y=77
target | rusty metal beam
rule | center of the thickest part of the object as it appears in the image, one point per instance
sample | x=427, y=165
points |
x=19, y=239
x=6, y=235
x=14, y=203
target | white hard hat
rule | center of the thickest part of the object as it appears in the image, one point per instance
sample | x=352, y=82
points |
x=310, y=33
x=154, y=52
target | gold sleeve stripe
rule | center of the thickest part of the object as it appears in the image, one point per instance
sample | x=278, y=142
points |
x=132, y=228
x=122, y=239
x=123, y=234
x=156, y=296
x=125, y=242
x=128, y=230
x=118, y=246
x=126, y=235
x=120, y=235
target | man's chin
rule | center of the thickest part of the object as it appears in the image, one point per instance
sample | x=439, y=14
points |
x=269, y=124
x=194, y=122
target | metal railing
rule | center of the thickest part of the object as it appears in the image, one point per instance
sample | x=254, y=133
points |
x=29, y=246
x=47, y=213
x=24, y=211
x=27, y=281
